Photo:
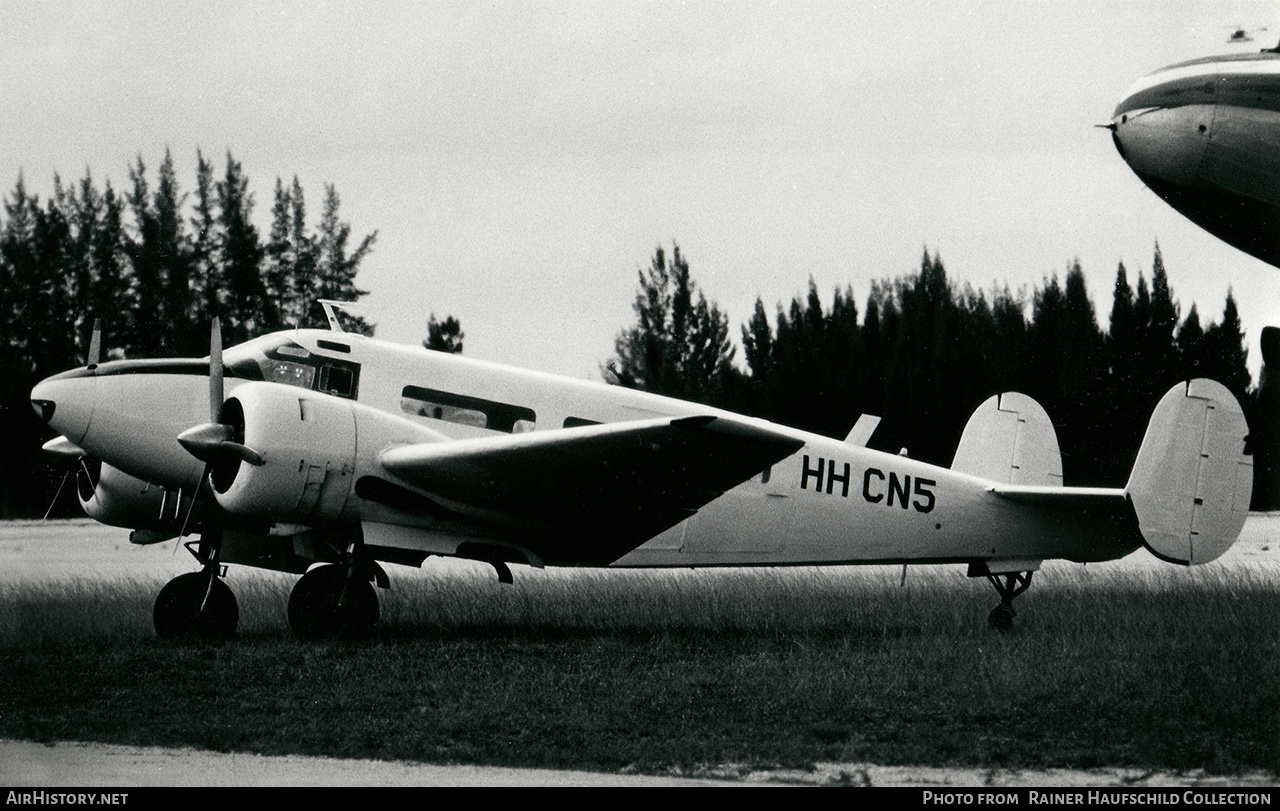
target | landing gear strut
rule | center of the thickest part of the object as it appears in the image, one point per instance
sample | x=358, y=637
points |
x=1012, y=584
x=198, y=604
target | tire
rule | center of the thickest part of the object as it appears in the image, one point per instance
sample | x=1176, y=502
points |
x=178, y=614
x=317, y=610
x=1001, y=618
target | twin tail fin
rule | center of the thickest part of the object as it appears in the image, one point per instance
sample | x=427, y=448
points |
x=1193, y=478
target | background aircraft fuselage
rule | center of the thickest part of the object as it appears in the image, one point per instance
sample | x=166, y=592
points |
x=1205, y=136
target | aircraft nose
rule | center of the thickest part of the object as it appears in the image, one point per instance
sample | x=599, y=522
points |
x=1167, y=144
x=1115, y=138
x=65, y=404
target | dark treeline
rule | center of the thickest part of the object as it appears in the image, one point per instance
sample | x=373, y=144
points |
x=925, y=352
x=155, y=264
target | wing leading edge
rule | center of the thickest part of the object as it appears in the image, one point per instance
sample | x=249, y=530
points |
x=589, y=495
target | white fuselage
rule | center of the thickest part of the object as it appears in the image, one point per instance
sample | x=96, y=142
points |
x=829, y=502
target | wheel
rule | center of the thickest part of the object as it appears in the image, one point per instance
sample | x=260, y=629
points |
x=179, y=614
x=326, y=603
x=1001, y=617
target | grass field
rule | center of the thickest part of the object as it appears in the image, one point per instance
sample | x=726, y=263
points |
x=680, y=671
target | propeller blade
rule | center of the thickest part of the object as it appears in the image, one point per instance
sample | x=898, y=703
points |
x=63, y=448
x=195, y=499
x=246, y=454
x=62, y=484
x=95, y=345
x=215, y=370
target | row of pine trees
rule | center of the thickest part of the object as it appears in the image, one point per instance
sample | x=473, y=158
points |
x=155, y=264
x=926, y=351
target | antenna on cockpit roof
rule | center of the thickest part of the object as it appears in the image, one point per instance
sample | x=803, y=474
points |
x=330, y=311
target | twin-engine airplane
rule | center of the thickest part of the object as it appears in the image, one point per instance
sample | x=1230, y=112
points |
x=330, y=454
x=1205, y=136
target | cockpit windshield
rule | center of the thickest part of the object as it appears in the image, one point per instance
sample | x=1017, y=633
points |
x=277, y=359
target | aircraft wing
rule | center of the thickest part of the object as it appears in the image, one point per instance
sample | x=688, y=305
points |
x=591, y=494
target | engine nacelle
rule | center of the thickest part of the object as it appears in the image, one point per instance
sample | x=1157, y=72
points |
x=314, y=447
x=113, y=497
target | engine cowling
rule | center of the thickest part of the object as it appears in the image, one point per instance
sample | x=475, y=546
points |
x=314, y=447
x=113, y=497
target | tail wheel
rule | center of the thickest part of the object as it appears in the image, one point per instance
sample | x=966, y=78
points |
x=333, y=602
x=1001, y=617
x=1009, y=585
x=196, y=605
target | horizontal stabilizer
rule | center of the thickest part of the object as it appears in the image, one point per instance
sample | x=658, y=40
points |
x=1009, y=439
x=1193, y=478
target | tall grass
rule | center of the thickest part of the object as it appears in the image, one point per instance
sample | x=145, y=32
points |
x=655, y=670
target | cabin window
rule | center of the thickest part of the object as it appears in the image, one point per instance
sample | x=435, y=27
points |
x=436, y=411
x=465, y=410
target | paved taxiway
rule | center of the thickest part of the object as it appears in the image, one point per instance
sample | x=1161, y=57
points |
x=69, y=765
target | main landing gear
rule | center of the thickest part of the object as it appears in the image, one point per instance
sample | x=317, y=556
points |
x=338, y=600
x=198, y=604
x=335, y=600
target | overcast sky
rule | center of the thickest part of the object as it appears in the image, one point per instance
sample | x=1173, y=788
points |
x=521, y=161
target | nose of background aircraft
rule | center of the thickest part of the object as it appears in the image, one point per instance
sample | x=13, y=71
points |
x=66, y=404
x=1167, y=144
x=1164, y=142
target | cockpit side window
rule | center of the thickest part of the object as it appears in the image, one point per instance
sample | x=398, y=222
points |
x=288, y=363
x=337, y=378
x=289, y=373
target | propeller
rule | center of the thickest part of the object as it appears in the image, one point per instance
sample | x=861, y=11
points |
x=74, y=457
x=219, y=440
x=212, y=443
x=94, y=357
x=60, y=446
x=218, y=443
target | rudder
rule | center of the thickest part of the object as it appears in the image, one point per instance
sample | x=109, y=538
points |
x=1193, y=478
